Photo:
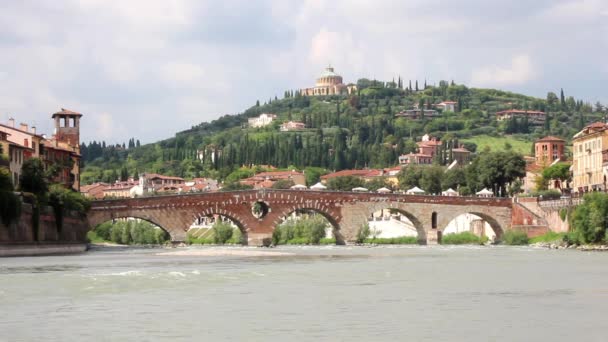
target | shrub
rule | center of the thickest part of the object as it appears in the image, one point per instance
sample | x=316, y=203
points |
x=363, y=233
x=222, y=232
x=463, y=238
x=303, y=230
x=103, y=230
x=547, y=194
x=515, y=238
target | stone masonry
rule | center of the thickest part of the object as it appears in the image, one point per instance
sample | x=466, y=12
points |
x=346, y=211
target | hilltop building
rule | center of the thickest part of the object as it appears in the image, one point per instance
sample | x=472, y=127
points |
x=264, y=119
x=417, y=114
x=292, y=126
x=329, y=83
x=428, y=148
x=534, y=117
x=447, y=106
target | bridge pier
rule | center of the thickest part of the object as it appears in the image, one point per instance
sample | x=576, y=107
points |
x=259, y=239
x=433, y=237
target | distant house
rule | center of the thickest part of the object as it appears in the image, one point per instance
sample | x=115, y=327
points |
x=120, y=189
x=267, y=179
x=264, y=119
x=447, y=106
x=534, y=117
x=292, y=126
x=416, y=114
x=390, y=174
x=415, y=158
x=94, y=191
x=200, y=185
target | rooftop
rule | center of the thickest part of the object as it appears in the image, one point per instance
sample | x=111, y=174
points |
x=64, y=111
x=550, y=138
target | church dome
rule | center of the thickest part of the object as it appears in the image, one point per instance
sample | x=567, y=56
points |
x=329, y=78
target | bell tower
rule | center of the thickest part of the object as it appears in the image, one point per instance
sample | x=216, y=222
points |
x=67, y=128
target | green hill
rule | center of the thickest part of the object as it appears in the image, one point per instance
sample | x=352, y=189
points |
x=342, y=132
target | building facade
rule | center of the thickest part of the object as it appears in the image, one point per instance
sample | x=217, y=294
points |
x=292, y=126
x=549, y=149
x=588, y=154
x=264, y=119
x=534, y=117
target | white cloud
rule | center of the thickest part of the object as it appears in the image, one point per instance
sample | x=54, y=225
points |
x=138, y=60
x=577, y=9
x=181, y=73
x=519, y=72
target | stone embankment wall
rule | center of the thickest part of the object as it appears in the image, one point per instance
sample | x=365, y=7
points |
x=549, y=212
x=21, y=238
x=528, y=220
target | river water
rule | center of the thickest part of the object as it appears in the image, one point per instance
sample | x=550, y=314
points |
x=314, y=293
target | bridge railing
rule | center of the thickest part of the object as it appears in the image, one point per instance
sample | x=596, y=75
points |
x=346, y=194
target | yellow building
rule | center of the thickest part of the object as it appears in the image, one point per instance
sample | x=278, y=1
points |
x=588, y=152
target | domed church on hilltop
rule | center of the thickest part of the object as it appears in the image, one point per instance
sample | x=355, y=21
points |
x=329, y=83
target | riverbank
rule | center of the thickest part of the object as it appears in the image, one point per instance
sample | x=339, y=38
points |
x=42, y=249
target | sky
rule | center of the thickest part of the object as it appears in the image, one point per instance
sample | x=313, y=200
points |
x=150, y=68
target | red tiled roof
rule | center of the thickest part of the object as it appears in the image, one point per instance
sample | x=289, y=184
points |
x=460, y=149
x=277, y=174
x=597, y=125
x=343, y=173
x=155, y=175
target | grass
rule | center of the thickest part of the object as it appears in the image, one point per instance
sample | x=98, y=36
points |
x=402, y=240
x=498, y=143
x=464, y=238
x=548, y=237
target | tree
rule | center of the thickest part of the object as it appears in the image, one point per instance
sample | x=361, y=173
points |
x=410, y=176
x=345, y=183
x=124, y=174
x=562, y=99
x=589, y=219
x=453, y=178
x=494, y=170
x=283, y=184
x=559, y=171
x=313, y=174
x=33, y=178
x=431, y=179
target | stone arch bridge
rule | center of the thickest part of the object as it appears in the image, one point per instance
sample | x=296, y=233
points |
x=347, y=211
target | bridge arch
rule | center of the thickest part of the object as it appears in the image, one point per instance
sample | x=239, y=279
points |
x=490, y=219
x=321, y=210
x=402, y=209
x=236, y=218
x=136, y=217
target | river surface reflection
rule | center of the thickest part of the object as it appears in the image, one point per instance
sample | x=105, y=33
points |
x=412, y=293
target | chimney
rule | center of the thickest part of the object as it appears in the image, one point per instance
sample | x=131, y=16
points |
x=11, y=122
x=23, y=127
x=33, y=129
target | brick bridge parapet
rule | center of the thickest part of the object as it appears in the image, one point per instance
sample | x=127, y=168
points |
x=347, y=211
